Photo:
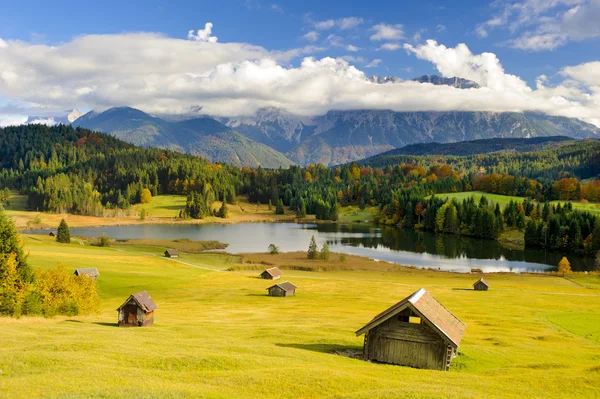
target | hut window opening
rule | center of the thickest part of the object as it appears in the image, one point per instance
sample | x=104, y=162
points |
x=404, y=318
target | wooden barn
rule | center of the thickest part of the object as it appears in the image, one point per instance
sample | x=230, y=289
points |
x=282, y=289
x=137, y=311
x=172, y=253
x=481, y=285
x=91, y=272
x=272, y=274
x=417, y=332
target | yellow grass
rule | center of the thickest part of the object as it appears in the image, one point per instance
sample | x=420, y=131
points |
x=217, y=335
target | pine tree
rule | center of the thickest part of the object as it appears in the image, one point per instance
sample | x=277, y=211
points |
x=301, y=209
x=564, y=266
x=313, y=249
x=10, y=243
x=324, y=255
x=597, y=262
x=224, y=211
x=63, y=234
x=279, y=209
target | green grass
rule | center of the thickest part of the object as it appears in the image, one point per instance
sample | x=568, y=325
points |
x=589, y=207
x=217, y=335
x=163, y=206
x=502, y=200
x=355, y=214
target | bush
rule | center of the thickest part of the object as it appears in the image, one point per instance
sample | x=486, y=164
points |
x=103, y=241
x=143, y=214
x=342, y=258
x=273, y=249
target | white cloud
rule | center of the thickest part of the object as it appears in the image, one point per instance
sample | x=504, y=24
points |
x=375, y=63
x=43, y=121
x=352, y=48
x=349, y=22
x=387, y=32
x=164, y=75
x=311, y=36
x=544, y=24
x=342, y=23
x=12, y=120
x=203, y=35
x=440, y=28
x=324, y=25
x=390, y=46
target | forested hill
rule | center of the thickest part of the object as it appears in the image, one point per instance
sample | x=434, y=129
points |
x=64, y=169
x=483, y=146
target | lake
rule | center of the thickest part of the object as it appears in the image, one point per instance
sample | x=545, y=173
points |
x=387, y=244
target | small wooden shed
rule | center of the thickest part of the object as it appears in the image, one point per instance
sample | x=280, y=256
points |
x=481, y=285
x=51, y=234
x=282, y=289
x=137, y=311
x=91, y=272
x=417, y=332
x=272, y=274
x=172, y=253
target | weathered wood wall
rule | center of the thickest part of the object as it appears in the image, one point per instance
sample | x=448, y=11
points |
x=406, y=344
x=479, y=286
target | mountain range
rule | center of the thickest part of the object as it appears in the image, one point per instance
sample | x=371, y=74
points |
x=273, y=137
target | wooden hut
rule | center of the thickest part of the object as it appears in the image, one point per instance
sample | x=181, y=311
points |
x=272, y=274
x=172, y=253
x=137, y=311
x=91, y=272
x=51, y=234
x=282, y=289
x=481, y=285
x=417, y=332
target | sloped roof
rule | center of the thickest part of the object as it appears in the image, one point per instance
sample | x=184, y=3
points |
x=274, y=272
x=88, y=271
x=172, y=251
x=143, y=299
x=287, y=286
x=481, y=280
x=430, y=309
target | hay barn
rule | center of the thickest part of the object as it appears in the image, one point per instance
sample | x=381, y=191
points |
x=282, y=289
x=272, y=274
x=481, y=285
x=91, y=272
x=417, y=332
x=137, y=311
x=172, y=253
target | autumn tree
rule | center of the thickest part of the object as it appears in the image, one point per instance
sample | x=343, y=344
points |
x=146, y=196
x=63, y=234
x=564, y=266
x=10, y=243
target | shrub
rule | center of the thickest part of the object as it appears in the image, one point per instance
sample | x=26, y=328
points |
x=342, y=258
x=143, y=214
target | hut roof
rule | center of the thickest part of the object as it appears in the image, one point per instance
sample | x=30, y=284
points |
x=430, y=309
x=144, y=301
x=275, y=272
x=172, y=252
x=88, y=271
x=481, y=280
x=287, y=286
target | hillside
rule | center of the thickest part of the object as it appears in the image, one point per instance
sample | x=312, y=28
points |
x=483, y=146
x=205, y=137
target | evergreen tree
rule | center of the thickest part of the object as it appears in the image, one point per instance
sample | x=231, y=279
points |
x=597, y=262
x=324, y=255
x=596, y=236
x=532, y=238
x=313, y=249
x=279, y=209
x=301, y=209
x=224, y=211
x=63, y=234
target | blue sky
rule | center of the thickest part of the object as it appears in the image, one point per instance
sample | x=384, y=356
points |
x=529, y=37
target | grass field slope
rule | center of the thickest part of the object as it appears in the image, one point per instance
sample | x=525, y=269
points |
x=217, y=334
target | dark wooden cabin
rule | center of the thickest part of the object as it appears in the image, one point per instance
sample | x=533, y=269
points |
x=272, y=274
x=51, y=234
x=481, y=285
x=137, y=311
x=282, y=289
x=172, y=253
x=91, y=272
x=417, y=332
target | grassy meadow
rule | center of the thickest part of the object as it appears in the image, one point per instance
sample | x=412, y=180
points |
x=217, y=335
x=501, y=200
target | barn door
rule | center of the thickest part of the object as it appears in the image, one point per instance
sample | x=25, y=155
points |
x=131, y=314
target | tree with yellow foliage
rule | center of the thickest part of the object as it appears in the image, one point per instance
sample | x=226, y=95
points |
x=564, y=266
x=146, y=196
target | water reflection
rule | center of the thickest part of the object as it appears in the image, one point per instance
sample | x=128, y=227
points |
x=389, y=244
